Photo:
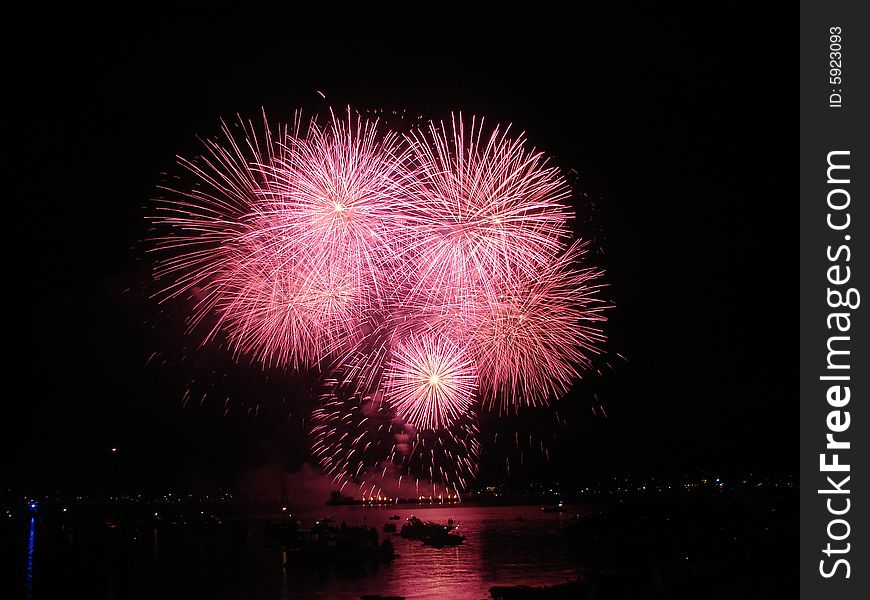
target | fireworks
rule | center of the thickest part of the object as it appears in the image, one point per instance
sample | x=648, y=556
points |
x=431, y=275
x=338, y=196
x=284, y=238
x=484, y=208
x=537, y=334
x=292, y=317
x=430, y=382
x=361, y=440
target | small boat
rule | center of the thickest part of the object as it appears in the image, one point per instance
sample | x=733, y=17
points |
x=326, y=544
x=415, y=529
x=395, y=518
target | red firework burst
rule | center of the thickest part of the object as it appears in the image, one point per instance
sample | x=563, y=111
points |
x=205, y=220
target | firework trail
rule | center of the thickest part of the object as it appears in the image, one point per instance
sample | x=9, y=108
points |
x=361, y=441
x=207, y=218
x=287, y=316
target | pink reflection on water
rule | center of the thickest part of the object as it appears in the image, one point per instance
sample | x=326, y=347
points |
x=503, y=546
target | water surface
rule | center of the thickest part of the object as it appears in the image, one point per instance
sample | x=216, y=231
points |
x=504, y=546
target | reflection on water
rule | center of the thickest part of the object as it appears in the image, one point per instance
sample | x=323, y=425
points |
x=504, y=545
x=28, y=577
x=285, y=587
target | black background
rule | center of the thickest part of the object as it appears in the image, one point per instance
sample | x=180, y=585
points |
x=679, y=126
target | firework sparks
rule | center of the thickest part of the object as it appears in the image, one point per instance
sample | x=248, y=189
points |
x=206, y=219
x=284, y=238
x=284, y=316
x=538, y=334
x=361, y=440
x=339, y=195
x=430, y=381
x=431, y=274
x=483, y=207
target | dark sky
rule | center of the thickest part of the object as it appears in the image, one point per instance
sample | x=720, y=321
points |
x=682, y=128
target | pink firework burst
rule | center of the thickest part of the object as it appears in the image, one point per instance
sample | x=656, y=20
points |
x=483, y=206
x=339, y=195
x=206, y=215
x=286, y=240
x=537, y=334
x=425, y=272
x=430, y=381
x=287, y=315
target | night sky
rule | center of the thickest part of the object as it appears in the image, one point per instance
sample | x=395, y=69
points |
x=680, y=132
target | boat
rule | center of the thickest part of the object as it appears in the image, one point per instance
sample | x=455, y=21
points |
x=390, y=527
x=325, y=543
x=415, y=529
x=395, y=518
